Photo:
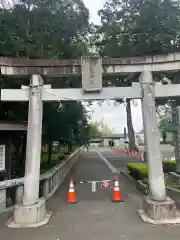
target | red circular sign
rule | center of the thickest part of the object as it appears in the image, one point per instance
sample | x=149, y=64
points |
x=105, y=184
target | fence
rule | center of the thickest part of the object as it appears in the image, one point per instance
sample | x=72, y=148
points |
x=11, y=191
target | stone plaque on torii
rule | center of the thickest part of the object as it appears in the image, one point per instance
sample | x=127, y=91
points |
x=92, y=70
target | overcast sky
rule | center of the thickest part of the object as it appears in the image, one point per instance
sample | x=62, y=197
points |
x=115, y=117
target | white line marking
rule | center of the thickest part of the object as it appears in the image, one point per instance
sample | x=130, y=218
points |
x=93, y=186
x=110, y=166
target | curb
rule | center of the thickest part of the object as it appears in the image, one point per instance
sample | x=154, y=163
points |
x=125, y=173
x=142, y=187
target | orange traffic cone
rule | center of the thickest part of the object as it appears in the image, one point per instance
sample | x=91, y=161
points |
x=71, y=193
x=116, y=192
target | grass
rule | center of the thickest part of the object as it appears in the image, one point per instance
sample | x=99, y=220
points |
x=56, y=158
x=139, y=171
x=170, y=183
x=167, y=182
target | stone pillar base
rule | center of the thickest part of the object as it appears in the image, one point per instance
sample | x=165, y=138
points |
x=29, y=216
x=159, y=212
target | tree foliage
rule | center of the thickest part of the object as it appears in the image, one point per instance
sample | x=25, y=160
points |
x=49, y=29
x=53, y=29
x=134, y=28
x=166, y=125
x=138, y=28
x=93, y=131
x=59, y=29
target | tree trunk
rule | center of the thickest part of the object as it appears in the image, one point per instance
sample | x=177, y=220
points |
x=22, y=154
x=70, y=146
x=59, y=147
x=9, y=158
x=22, y=151
x=49, y=151
x=132, y=144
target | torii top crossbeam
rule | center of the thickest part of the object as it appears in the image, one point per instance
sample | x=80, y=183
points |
x=16, y=66
x=91, y=69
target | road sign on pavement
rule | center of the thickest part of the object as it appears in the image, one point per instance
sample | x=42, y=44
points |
x=105, y=184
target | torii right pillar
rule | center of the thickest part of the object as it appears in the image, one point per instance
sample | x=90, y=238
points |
x=157, y=207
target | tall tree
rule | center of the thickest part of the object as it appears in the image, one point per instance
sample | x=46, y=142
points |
x=132, y=27
x=131, y=135
x=44, y=29
x=138, y=28
x=166, y=126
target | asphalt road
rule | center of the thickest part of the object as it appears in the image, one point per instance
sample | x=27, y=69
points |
x=167, y=151
x=120, y=160
x=95, y=216
x=117, y=159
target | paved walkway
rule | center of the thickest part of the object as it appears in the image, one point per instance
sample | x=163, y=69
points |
x=95, y=217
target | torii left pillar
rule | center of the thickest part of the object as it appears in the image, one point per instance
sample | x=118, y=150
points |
x=32, y=213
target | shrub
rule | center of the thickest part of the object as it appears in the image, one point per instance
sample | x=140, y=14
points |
x=138, y=171
x=67, y=153
x=169, y=166
x=61, y=158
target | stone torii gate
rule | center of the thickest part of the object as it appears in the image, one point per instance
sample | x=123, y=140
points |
x=157, y=207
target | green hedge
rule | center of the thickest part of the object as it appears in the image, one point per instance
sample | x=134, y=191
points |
x=139, y=171
x=169, y=166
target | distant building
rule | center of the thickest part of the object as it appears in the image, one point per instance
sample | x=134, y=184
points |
x=96, y=142
x=117, y=138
